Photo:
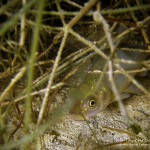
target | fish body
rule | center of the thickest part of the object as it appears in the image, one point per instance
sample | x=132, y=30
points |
x=93, y=90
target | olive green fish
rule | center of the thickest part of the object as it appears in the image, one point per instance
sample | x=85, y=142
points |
x=92, y=93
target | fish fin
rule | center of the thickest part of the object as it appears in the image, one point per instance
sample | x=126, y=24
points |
x=76, y=117
x=125, y=95
x=133, y=89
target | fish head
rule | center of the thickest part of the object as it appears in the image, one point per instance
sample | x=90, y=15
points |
x=95, y=102
x=89, y=99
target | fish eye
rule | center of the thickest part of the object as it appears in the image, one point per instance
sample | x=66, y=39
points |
x=92, y=103
x=91, y=99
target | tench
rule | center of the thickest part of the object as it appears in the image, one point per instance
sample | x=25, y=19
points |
x=92, y=91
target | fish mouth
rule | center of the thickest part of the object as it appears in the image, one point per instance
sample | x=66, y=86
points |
x=92, y=113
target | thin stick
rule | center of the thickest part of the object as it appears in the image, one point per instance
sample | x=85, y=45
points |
x=32, y=59
x=51, y=77
x=12, y=83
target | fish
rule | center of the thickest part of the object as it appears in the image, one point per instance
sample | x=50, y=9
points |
x=92, y=92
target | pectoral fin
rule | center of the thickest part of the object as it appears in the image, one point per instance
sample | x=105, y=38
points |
x=133, y=89
x=124, y=95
